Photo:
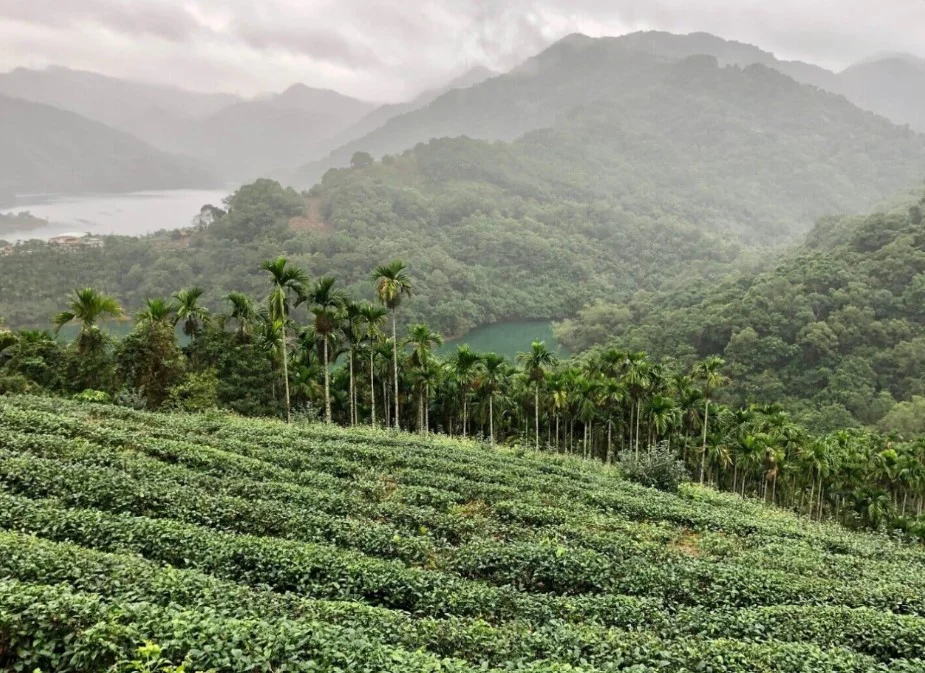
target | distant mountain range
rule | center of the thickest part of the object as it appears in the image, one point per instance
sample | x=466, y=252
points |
x=45, y=149
x=241, y=139
x=578, y=70
x=892, y=85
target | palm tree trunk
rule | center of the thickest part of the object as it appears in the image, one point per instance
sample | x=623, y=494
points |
x=372, y=385
x=353, y=399
x=558, y=444
x=632, y=411
x=327, y=382
x=812, y=496
x=385, y=403
x=536, y=402
x=609, y=441
x=703, y=448
x=465, y=418
x=637, y=429
x=421, y=411
x=286, y=378
x=395, y=366
x=491, y=419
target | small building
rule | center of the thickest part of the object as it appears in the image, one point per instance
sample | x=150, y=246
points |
x=70, y=238
x=76, y=239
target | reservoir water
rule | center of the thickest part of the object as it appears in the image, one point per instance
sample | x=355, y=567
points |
x=507, y=338
x=134, y=214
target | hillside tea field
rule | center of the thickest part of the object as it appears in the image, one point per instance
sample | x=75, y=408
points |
x=243, y=545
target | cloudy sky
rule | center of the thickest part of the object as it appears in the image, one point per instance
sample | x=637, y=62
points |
x=391, y=49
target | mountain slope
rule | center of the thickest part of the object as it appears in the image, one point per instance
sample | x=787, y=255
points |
x=249, y=139
x=893, y=87
x=53, y=150
x=574, y=72
x=154, y=113
x=836, y=329
x=579, y=70
x=747, y=151
x=727, y=52
x=243, y=545
x=890, y=85
x=384, y=113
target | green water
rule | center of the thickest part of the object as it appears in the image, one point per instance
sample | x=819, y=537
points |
x=508, y=338
x=117, y=329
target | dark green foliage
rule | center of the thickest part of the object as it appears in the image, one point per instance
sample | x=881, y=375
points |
x=656, y=467
x=836, y=331
x=148, y=360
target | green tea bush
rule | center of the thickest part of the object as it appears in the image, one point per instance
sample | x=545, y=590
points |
x=219, y=543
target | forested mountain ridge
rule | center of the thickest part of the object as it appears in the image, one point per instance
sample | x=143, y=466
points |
x=579, y=71
x=44, y=149
x=670, y=179
x=836, y=330
x=890, y=85
x=727, y=52
x=723, y=149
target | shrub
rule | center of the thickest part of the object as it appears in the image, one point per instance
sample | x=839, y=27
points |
x=198, y=392
x=93, y=396
x=657, y=467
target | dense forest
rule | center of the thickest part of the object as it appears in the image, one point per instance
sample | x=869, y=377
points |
x=309, y=349
x=835, y=331
x=673, y=179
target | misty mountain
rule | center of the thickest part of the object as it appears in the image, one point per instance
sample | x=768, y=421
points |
x=745, y=151
x=574, y=71
x=384, y=113
x=662, y=179
x=155, y=114
x=579, y=70
x=44, y=149
x=239, y=138
x=727, y=52
x=253, y=138
x=893, y=87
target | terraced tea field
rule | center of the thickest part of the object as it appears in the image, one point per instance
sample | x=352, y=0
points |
x=244, y=545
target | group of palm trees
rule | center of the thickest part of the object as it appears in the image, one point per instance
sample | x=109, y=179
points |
x=603, y=404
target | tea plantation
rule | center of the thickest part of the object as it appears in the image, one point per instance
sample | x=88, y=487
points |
x=241, y=545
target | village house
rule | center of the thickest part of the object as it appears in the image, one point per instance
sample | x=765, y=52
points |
x=76, y=239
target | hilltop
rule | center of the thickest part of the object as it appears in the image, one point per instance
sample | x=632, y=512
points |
x=244, y=545
x=579, y=70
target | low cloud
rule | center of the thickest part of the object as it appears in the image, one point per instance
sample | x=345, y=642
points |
x=389, y=49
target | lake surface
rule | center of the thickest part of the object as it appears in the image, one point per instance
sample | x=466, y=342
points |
x=133, y=214
x=507, y=338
